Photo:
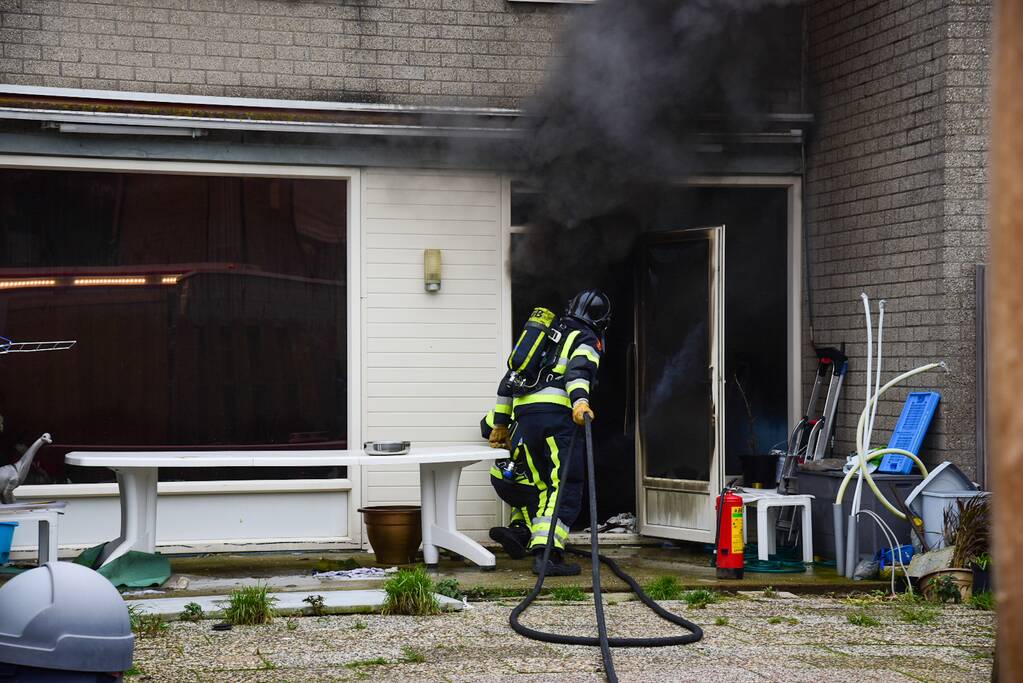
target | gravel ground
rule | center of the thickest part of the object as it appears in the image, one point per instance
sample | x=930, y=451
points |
x=765, y=639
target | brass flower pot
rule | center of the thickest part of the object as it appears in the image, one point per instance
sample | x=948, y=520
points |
x=395, y=532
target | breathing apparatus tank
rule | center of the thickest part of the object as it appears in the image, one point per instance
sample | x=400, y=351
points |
x=63, y=622
x=532, y=352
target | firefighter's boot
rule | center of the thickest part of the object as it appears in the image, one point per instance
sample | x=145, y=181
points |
x=556, y=565
x=513, y=538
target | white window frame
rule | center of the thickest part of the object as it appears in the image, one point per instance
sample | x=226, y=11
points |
x=354, y=306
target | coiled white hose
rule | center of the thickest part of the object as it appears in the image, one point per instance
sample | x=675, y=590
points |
x=861, y=464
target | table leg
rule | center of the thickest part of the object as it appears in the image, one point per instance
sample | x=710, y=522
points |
x=807, y=532
x=47, y=549
x=137, y=488
x=764, y=532
x=439, y=497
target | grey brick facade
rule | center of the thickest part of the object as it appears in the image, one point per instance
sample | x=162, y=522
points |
x=896, y=195
x=470, y=52
x=896, y=186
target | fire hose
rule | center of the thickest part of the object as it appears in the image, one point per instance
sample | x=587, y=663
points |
x=602, y=640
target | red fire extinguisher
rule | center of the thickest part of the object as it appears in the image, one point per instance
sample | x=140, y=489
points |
x=729, y=551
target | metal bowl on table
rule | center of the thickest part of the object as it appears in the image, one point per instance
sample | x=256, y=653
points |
x=387, y=447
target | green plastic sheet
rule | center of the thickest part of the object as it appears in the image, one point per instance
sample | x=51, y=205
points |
x=131, y=570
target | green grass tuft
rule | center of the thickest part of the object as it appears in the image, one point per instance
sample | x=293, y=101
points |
x=721, y=621
x=359, y=663
x=251, y=605
x=769, y=592
x=411, y=655
x=410, y=591
x=911, y=609
x=291, y=625
x=792, y=621
x=664, y=588
x=861, y=618
x=568, y=594
x=700, y=598
x=983, y=601
x=359, y=625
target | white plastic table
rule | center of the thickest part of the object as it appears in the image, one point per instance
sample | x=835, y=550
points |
x=440, y=468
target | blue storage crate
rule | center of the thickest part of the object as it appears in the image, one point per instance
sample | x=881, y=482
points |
x=6, y=536
x=910, y=431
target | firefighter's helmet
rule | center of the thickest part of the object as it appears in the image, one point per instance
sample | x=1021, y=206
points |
x=592, y=307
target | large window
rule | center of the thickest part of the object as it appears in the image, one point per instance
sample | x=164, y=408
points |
x=209, y=312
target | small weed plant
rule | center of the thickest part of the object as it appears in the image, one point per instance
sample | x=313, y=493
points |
x=359, y=625
x=983, y=601
x=861, y=618
x=410, y=591
x=266, y=664
x=721, y=621
x=792, y=621
x=448, y=588
x=359, y=663
x=664, y=588
x=250, y=606
x=910, y=609
x=192, y=612
x=315, y=603
x=568, y=594
x=146, y=625
x=411, y=655
x=291, y=625
x=700, y=598
x=769, y=592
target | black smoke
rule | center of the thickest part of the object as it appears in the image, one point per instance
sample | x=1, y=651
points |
x=637, y=89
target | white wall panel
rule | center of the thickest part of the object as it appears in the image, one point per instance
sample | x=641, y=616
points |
x=207, y=521
x=431, y=361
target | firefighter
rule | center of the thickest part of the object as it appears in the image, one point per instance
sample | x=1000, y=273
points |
x=547, y=423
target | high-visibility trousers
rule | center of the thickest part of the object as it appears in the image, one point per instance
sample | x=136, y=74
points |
x=541, y=440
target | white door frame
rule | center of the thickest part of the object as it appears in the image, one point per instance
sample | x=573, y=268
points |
x=354, y=296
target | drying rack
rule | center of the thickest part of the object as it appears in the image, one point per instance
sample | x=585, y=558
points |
x=9, y=346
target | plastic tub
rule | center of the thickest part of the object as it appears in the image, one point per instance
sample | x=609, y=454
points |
x=933, y=507
x=6, y=536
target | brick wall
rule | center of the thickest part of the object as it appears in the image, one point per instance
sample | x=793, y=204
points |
x=471, y=52
x=896, y=198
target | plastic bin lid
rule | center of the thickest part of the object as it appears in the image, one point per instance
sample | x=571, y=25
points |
x=945, y=478
x=64, y=616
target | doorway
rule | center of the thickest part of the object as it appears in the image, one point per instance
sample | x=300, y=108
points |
x=760, y=344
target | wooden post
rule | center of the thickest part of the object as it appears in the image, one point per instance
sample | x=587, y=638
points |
x=1006, y=293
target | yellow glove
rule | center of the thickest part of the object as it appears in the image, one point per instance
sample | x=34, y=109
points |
x=499, y=437
x=578, y=410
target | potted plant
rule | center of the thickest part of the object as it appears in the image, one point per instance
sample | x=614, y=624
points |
x=981, y=565
x=967, y=526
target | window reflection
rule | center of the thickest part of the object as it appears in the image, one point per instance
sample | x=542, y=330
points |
x=209, y=313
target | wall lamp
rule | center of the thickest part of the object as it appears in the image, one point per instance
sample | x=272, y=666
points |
x=431, y=270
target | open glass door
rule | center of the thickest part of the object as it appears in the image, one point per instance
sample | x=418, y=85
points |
x=680, y=342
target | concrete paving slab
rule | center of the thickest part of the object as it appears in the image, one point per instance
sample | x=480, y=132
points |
x=334, y=602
